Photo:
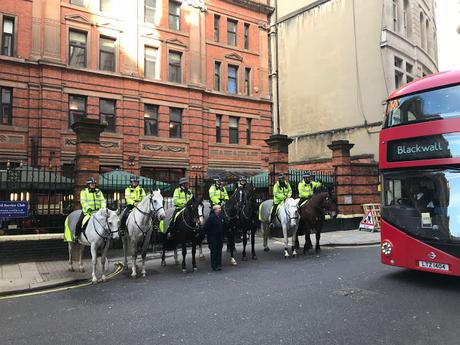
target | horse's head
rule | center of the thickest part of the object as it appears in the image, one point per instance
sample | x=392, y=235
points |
x=196, y=209
x=330, y=204
x=156, y=208
x=109, y=221
x=292, y=211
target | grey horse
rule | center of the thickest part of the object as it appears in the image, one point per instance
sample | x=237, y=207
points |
x=287, y=218
x=139, y=227
x=101, y=228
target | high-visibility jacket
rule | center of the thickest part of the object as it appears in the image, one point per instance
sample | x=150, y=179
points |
x=306, y=190
x=181, y=197
x=91, y=200
x=134, y=195
x=218, y=195
x=281, y=193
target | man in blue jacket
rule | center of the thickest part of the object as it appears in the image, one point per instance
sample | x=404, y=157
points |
x=215, y=230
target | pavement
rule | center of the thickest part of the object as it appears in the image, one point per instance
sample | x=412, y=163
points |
x=32, y=276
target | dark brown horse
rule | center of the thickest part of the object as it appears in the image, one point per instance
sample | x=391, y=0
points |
x=312, y=216
x=248, y=218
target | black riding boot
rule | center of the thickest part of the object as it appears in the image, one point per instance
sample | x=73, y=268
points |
x=273, y=215
x=78, y=227
x=172, y=223
x=124, y=218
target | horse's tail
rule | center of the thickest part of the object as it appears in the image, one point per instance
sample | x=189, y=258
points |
x=260, y=212
x=67, y=233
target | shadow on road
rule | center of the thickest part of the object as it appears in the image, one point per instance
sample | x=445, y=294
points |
x=426, y=280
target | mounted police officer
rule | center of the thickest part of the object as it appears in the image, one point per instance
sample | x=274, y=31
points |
x=281, y=191
x=243, y=182
x=217, y=192
x=307, y=187
x=134, y=194
x=181, y=196
x=91, y=200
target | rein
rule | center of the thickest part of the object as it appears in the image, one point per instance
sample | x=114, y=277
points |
x=105, y=238
x=287, y=213
x=151, y=214
x=196, y=227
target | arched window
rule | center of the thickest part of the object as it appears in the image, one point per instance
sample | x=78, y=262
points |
x=428, y=36
x=395, y=16
x=422, y=31
x=406, y=18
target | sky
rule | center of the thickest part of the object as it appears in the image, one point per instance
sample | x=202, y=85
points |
x=448, y=27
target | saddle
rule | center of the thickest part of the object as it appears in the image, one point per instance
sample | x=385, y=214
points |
x=69, y=233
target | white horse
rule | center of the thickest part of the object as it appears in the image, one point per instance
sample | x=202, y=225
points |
x=139, y=226
x=101, y=227
x=287, y=218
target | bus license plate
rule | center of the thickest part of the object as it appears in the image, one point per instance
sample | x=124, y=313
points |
x=433, y=265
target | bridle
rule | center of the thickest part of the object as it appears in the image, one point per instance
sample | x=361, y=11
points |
x=247, y=203
x=190, y=209
x=152, y=214
x=288, y=215
x=153, y=211
x=224, y=209
x=111, y=232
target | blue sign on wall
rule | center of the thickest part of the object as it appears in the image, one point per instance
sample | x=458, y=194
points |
x=13, y=209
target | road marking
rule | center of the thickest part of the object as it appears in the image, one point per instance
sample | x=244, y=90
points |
x=118, y=270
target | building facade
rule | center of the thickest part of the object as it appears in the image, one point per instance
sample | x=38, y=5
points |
x=336, y=61
x=181, y=85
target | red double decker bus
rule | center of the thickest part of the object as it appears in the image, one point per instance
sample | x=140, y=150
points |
x=420, y=173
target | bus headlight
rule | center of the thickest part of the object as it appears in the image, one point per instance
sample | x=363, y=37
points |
x=386, y=248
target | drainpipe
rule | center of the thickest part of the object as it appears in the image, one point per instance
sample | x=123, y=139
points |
x=277, y=71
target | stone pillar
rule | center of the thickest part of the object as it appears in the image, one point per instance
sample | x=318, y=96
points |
x=88, y=153
x=342, y=164
x=278, y=161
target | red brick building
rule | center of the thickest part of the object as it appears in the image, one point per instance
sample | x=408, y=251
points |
x=182, y=85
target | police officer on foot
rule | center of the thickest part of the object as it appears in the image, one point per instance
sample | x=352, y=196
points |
x=217, y=192
x=181, y=196
x=91, y=200
x=307, y=187
x=134, y=194
x=281, y=191
x=215, y=229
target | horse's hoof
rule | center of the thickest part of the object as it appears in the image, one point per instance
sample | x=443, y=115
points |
x=163, y=263
x=143, y=274
x=104, y=279
x=195, y=269
x=94, y=281
x=294, y=253
x=266, y=249
x=254, y=257
x=244, y=258
x=201, y=256
x=133, y=275
x=233, y=261
x=71, y=269
x=184, y=270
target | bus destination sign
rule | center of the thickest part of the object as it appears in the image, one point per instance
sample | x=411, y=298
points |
x=429, y=147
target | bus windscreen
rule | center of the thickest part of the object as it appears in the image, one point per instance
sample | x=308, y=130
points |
x=425, y=106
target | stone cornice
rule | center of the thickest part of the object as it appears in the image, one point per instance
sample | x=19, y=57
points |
x=252, y=5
